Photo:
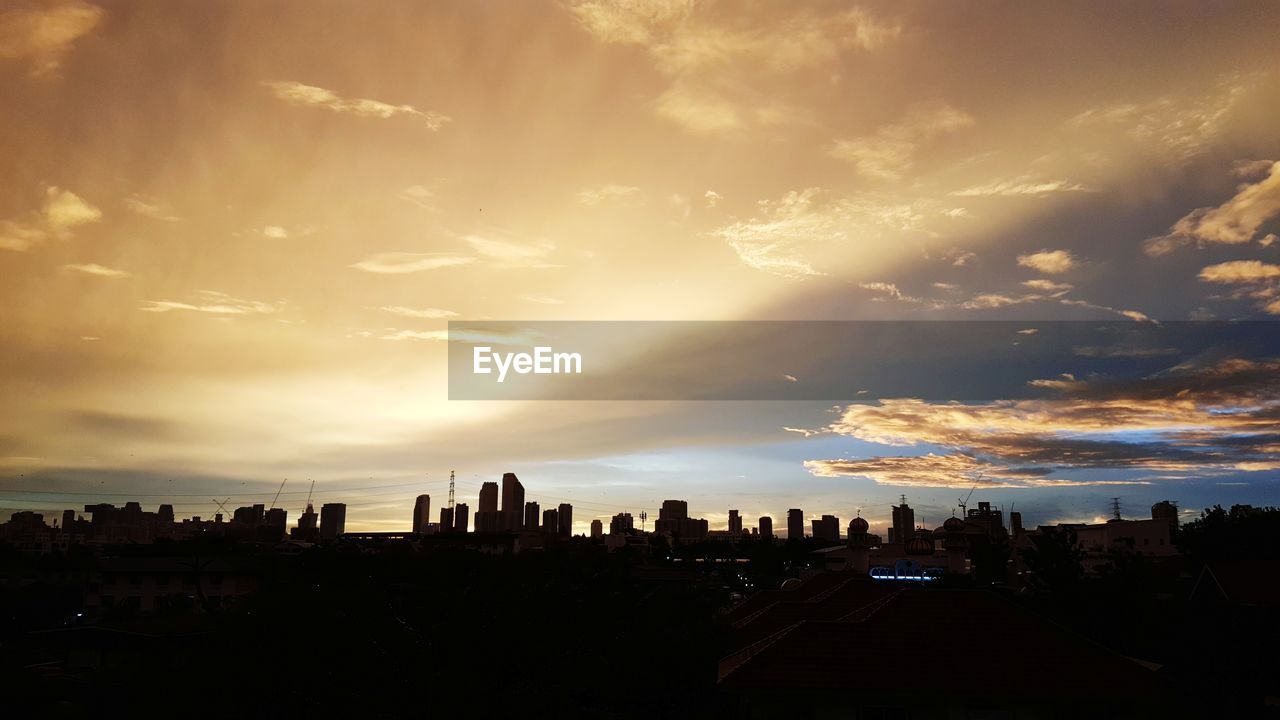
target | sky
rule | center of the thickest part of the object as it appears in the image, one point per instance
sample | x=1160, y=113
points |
x=232, y=236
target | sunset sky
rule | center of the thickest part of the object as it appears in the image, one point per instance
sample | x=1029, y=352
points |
x=232, y=235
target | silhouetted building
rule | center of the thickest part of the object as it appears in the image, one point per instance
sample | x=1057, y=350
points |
x=565, y=518
x=512, y=502
x=904, y=523
x=621, y=523
x=1015, y=522
x=795, y=524
x=488, y=517
x=550, y=522
x=446, y=519
x=461, y=517
x=308, y=529
x=1163, y=510
x=333, y=520
x=827, y=528
x=597, y=528
x=421, y=513
x=766, y=527
x=735, y=522
x=275, y=524
x=674, y=520
x=532, y=514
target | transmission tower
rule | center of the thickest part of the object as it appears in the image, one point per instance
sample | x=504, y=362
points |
x=450, y=491
x=644, y=516
x=1115, y=508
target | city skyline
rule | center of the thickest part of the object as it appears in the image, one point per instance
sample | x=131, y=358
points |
x=233, y=251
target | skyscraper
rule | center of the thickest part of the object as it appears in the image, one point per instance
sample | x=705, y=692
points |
x=795, y=524
x=673, y=519
x=488, y=497
x=766, y=527
x=597, y=528
x=446, y=520
x=488, y=518
x=621, y=523
x=461, y=516
x=565, y=518
x=421, y=513
x=333, y=520
x=550, y=523
x=827, y=528
x=532, y=514
x=904, y=522
x=512, y=502
x=735, y=522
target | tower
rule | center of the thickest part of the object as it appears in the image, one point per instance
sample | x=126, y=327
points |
x=795, y=524
x=904, y=522
x=421, y=513
x=512, y=502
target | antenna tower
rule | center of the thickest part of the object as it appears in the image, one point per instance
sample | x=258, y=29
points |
x=1115, y=508
x=451, y=490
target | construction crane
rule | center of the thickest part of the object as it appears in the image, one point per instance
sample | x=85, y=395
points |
x=313, y=489
x=222, y=506
x=277, y=497
x=964, y=502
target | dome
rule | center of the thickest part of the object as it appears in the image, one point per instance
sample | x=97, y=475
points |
x=857, y=525
x=919, y=545
x=953, y=524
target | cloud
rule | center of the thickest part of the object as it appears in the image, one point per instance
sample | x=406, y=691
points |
x=44, y=34
x=506, y=253
x=419, y=195
x=96, y=270
x=427, y=313
x=1232, y=223
x=296, y=93
x=400, y=335
x=1048, y=286
x=713, y=198
x=1240, y=271
x=1182, y=127
x=1261, y=281
x=215, y=303
x=62, y=212
x=890, y=151
x=1192, y=417
x=149, y=207
x=1022, y=186
x=715, y=68
x=541, y=299
x=787, y=236
x=275, y=232
x=399, y=263
x=611, y=194
x=1049, y=262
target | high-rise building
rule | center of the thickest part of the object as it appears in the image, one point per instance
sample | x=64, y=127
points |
x=904, y=523
x=446, y=519
x=827, y=528
x=421, y=513
x=333, y=520
x=488, y=518
x=532, y=514
x=274, y=525
x=488, y=498
x=673, y=519
x=461, y=517
x=597, y=528
x=550, y=523
x=735, y=522
x=621, y=523
x=795, y=524
x=512, y=502
x=307, y=530
x=565, y=519
x=766, y=527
